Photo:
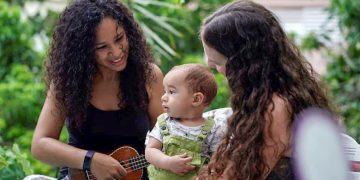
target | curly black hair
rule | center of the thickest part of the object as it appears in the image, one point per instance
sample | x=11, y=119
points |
x=261, y=63
x=71, y=64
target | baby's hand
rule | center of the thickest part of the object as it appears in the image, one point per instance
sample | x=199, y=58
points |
x=178, y=164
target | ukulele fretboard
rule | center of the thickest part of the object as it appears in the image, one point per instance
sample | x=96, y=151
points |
x=134, y=163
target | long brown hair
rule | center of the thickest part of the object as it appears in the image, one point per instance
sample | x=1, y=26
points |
x=262, y=62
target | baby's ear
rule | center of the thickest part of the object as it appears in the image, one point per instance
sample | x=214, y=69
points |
x=198, y=99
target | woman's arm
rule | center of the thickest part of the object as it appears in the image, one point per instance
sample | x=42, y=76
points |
x=155, y=92
x=45, y=143
x=47, y=147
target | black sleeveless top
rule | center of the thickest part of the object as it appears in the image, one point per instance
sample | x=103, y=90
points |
x=283, y=170
x=105, y=131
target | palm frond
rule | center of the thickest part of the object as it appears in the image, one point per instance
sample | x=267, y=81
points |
x=157, y=20
x=157, y=3
x=151, y=34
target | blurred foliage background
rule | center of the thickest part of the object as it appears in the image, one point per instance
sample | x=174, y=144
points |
x=172, y=30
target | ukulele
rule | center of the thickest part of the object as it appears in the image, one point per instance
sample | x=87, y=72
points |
x=127, y=156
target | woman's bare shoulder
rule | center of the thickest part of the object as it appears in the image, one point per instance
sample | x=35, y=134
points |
x=278, y=120
x=280, y=108
x=155, y=90
x=155, y=83
x=157, y=72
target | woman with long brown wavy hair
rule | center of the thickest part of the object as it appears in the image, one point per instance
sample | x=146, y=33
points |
x=270, y=83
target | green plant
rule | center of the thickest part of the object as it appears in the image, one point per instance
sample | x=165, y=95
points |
x=311, y=41
x=16, y=40
x=172, y=26
x=157, y=27
x=13, y=163
x=344, y=69
x=21, y=97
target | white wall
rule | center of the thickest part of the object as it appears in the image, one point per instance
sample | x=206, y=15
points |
x=308, y=19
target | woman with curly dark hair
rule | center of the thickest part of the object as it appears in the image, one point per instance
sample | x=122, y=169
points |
x=270, y=83
x=102, y=84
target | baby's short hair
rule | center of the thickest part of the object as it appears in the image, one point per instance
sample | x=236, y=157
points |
x=199, y=79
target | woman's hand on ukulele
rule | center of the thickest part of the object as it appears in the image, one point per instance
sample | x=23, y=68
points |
x=178, y=164
x=105, y=167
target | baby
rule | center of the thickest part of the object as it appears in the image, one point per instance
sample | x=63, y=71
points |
x=182, y=139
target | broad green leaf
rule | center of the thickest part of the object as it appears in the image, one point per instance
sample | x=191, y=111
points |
x=157, y=20
x=3, y=162
x=157, y=39
x=157, y=3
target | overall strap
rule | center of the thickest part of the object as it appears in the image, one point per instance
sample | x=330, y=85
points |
x=164, y=130
x=206, y=129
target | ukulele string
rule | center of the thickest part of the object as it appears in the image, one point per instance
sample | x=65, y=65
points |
x=140, y=166
x=130, y=165
x=139, y=157
x=137, y=166
x=135, y=163
x=92, y=177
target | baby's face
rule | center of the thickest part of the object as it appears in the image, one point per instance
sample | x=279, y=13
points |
x=177, y=99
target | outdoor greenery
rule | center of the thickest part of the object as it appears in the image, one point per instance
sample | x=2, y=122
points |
x=13, y=163
x=171, y=27
x=344, y=70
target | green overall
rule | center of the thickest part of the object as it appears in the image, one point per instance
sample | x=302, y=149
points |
x=176, y=145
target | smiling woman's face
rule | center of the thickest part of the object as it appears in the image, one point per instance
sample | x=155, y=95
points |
x=214, y=59
x=112, y=46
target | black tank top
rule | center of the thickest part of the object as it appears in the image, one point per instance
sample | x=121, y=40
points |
x=283, y=170
x=105, y=131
